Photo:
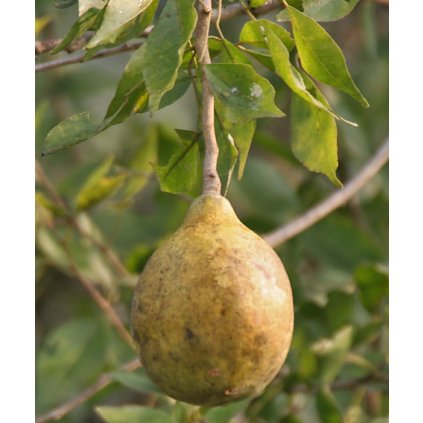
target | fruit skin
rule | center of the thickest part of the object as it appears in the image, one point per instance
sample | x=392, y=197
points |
x=212, y=314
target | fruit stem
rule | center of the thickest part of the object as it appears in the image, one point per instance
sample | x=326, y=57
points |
x=211, y=180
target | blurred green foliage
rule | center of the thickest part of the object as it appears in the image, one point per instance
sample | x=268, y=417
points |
x=337, y=366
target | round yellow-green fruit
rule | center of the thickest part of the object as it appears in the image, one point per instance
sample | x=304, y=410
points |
x=212, y=314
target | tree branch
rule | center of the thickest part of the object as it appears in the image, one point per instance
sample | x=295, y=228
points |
x=334, y=201
x=103, y=381
x=79, y=58
x=211, y=180
x=44, y=46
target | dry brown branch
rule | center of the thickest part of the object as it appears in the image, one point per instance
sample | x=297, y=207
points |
x=211, y=180
x=334, y=201
x=103, y=381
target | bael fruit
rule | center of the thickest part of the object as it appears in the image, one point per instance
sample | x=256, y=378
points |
x=212, y=314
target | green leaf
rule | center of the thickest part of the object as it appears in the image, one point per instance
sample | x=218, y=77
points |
x=243, y=136
x=72, y=131
x=83, y=24
x=253, y=33
x=257, y=3
x=138, y=381
x=133, y=413
x=290, y=74
x=98, y=186
x=228, y=155
x=62, y=359
x=314, y=136
x=130, y=92
x=226, y=413
x=142, y=163
x=181, y=86
x=323, y=10
x=138, y=257
x=241, y=92
x=180, y=174
x=373, y=283
x=321, y=57
x=165, y=47
x=63, y=4
x=227, y=52
x=293, y=78
x=332, y=352
x=118, y=17
x=328, y=409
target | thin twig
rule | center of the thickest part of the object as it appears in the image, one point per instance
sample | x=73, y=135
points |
x=334, y=201
x=103, y=381
x=79, y=58
x=211, y=180
x=229, y=12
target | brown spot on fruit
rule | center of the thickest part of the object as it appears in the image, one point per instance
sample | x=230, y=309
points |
x=189, y=334
x=214, y=372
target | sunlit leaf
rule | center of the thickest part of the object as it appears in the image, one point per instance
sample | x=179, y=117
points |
x=165, y=48
x=118, y=17
x=133, y=413
x=321, y=57
x=84, y=5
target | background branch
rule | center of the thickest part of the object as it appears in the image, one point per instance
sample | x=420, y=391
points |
x=101, y=301
x=327, y=206
x=44, y=181
x=103, y=381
